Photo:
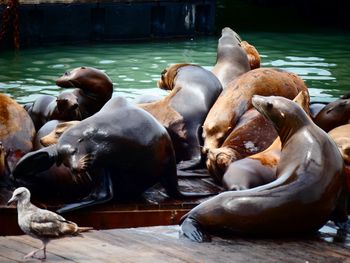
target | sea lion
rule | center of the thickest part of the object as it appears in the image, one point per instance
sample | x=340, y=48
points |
x=45, y=108
x=16, y=139
x=55, y=133
x=302, y=199
x=260, y=168
x=334, y=114
x=182, y=112
x=252, y=134
x=57, y=182
x=16, y=130
x=2, y=160
x=235, y=100
x=232, y=60
x=253, y=55
x=93, y=88
x=341, y=136
x=112, y=151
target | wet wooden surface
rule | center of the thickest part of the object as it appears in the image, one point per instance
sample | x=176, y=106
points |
x=165, y=244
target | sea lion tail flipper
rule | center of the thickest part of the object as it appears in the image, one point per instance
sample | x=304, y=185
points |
x=35, y=162
x=192, y=229
x=102, y=194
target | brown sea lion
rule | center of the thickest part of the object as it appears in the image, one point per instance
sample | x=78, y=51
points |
x=334, y=114
x=93, y=88
x=16, y=130
x=2, y=160
x=235, y=100
x=56, y=132
x=252, y=134
x=260, y=168
x=341, y=136
x=182, y=112
x=16, y=136
x=253, y=55
x=232, y=60
x=302, y=199
x=46, y=108
x=112, y=151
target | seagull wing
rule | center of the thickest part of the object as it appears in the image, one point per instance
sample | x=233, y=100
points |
x=48, y=224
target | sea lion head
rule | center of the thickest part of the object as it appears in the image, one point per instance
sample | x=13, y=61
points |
x=219, y=159
x=286, y=115
x=91, y=80
x=168, y=76
x=228, y=32
x=76, y=149
x=252, y=54
x=68, y=106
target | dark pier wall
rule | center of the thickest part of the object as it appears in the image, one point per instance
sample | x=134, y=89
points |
x=285, y=15
x=66, y=22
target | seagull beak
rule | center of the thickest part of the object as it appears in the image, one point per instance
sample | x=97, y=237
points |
x=11, y=201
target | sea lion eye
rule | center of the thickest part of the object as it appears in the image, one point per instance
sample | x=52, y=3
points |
x=269, y=105
x=163, y=73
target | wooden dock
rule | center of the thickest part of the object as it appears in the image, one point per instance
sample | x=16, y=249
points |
x=165, y=244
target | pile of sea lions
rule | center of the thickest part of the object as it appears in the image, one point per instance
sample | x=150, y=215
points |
x=284, y=164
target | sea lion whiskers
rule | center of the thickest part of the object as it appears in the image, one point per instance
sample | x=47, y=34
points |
x=83, y=166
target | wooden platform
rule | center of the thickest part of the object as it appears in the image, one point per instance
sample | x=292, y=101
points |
x=164, y=244
x=154, y=208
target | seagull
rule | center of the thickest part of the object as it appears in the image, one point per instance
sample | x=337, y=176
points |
x=40, y=223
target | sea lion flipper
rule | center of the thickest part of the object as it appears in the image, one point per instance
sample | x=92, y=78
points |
x=35, y=162
x=191, y=229
x=102, y=194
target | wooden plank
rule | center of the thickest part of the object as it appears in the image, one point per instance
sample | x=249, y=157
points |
x=164, y=244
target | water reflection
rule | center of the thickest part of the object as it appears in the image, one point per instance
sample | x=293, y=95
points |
x=322, y=60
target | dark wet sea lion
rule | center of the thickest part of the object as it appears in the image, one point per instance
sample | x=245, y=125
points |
x=334, y=114
x=46, y=108
x=112, y=151
x=193, y=92
x=260, y=168
x=253, y=55
x=232, y=59
x=57, y=182
x=302, y=199
x=235, y=100
x=93, y=88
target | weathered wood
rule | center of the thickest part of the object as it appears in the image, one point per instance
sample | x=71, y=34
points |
x=165, y=244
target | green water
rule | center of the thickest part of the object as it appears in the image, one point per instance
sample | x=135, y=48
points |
x=322, y=60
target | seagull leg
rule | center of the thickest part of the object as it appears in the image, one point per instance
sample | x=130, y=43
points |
x=32, y=254
x=44, y=251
